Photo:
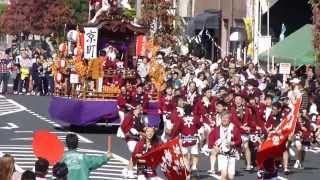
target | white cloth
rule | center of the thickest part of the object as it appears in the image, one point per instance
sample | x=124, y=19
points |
x=131, y=145
x=227, y=163
x=267, y=112
x=225, y=138
x=193, y=150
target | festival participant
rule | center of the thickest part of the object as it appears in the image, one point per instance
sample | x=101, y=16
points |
x=80, y=165
x=205, y=109
x=301, y=135
x=191, y=94
x=241, y=118
x=266, y=114
x=177, y=112
x=251, y=89
x=269, y=170
x=221, y=107
x=140, y=98
x=256, y=114
x=166, y=105
x=132, y=127
x=145, y=145
x=225, y=139
x=201, y=82
x=187, y=126
x=123, y=102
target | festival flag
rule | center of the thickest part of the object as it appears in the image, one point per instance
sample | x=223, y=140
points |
x=275, y=143
x=170, y=158
x=47, y=145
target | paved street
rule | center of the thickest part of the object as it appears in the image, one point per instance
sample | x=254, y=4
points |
x=21, y=115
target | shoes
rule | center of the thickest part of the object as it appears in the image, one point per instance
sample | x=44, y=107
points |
x=286, y=172
x=128, y=174
x=15, y=92
x=298, y=165
x=195, y=173
x=125, y=173
x=131, y=175
x=249, y=169
x=205, y=150
x=211, y=172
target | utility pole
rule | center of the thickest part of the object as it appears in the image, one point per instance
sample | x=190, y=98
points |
x=256, y=30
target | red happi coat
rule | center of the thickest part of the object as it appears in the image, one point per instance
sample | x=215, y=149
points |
x=141, y=99
x=166, y=104
x=215, y=135
x=205, y=112
x=191, y=98
x=245, y=120
x=269, y=122
x=256, y=92
x=186, y=126
x=144, y=169
x=115, y=80
x=258, y=117
x=131, y=122
x=122, y=100
x=304, y=134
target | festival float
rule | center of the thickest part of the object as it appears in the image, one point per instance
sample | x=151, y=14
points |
x=85, y=88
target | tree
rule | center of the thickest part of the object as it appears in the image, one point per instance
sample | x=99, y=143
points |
x=158, y=15
x=41, y=17
x=57, y=17
x=79, y=10
x=3, y=7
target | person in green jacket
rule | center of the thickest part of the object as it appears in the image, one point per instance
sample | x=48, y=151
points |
x=79, y=164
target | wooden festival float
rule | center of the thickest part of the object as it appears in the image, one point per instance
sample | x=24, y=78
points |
x=86, y=91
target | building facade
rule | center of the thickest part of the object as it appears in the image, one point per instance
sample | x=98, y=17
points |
x=231, y=17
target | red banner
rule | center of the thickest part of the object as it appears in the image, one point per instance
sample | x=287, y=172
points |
x=170, y=158
x=275, y=144
x=141, y=45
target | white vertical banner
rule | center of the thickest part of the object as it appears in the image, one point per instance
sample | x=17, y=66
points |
x=267, y=4
x=90, y=42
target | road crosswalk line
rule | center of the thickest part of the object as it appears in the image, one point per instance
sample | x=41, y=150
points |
x=8, y=106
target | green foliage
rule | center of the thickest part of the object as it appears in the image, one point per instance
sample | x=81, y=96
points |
x=79, y=10
x=3, y=7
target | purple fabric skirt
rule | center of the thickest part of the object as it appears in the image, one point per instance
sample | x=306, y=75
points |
x=86, y=112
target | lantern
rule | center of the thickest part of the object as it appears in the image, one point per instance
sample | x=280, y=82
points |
x=63, y=47
x=58, y=77
x=62, y=63
x=72, y=36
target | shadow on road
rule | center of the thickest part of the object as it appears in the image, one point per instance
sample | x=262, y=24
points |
x=91, y=129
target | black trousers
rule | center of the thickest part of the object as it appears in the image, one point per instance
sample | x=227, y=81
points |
x=4, y=78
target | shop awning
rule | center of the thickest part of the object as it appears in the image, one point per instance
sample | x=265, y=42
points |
x=296, y=49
